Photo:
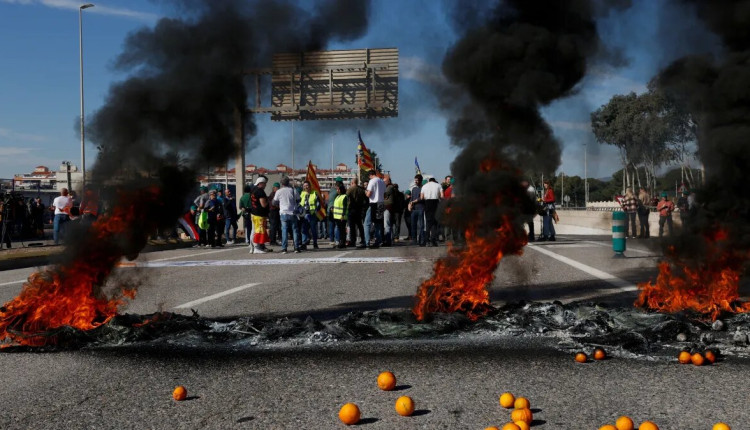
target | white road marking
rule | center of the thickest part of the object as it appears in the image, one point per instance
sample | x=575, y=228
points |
x=275, y=261
x=342, y=254
x=216, y=251
x=12, y=282
x=189, y=305
x=626, y=250
x=622, y=285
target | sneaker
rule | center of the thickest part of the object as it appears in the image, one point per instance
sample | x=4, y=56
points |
x=315, y=246
x=230, y=242
x=260, y=251
x=297, y=251
x=283, y=251
x=196, y=246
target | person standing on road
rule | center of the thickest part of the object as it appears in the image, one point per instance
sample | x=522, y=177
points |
x=431, y=193
x=665, y=209
x=407, y=214
x=397, y=212
x=388, y=212
x=331, y=199
x=287, y=200
x=37, y=215
x=548, y=200
x=215, y=219
x=417, y=212
x=376, y=195
x=340, y=215
x=630, y=205
x=274, y=217
x=200, y=203
x=259, y=210
x=310, y=204
x=357, y=202
x=230, y=216
x=531, y=193
x=61, y=205
x=683, y=206
x=644, y=200
x=245, y=208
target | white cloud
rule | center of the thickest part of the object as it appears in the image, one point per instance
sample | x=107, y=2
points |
x=14, y=151
x=571, y=125
x=99, y=9
x=10, y=134
x=416, y=69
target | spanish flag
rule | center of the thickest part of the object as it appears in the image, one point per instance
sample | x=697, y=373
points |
x=312, y=178
x=365, y=158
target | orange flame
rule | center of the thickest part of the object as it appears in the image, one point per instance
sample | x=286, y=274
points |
x=460, y=280
x=708, y=287
x=71, y=295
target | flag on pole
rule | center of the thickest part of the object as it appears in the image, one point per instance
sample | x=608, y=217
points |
x=416, y=163
x=312, y=178
x=365, y=157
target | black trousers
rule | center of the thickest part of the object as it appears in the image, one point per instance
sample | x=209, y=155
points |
x=430, y=209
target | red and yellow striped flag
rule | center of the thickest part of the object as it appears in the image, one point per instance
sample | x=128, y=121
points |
x=365, y=157
x=312, y=178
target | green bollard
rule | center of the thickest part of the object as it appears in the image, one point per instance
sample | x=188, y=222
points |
x=619, y=227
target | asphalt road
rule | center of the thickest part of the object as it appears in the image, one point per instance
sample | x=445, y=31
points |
x=455, y=382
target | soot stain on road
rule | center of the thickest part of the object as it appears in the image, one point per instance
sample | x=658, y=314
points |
x=624, y=332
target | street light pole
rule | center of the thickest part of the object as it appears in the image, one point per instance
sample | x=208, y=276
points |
x=585, y=175
x=80, y=60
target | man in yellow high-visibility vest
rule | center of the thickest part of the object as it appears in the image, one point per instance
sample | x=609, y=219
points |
x=310, y=202
x=340, y=215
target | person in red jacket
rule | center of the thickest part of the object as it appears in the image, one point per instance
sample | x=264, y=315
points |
x=665, y=209
x=548, y=202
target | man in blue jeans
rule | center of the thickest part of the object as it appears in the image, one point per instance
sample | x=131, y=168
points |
x=417, y=213
x=61, y=206
x=376, y=194
x=287, y=200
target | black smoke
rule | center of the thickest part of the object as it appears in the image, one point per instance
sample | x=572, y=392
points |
x=513, y=58
x=176, y=112
x=716, y=91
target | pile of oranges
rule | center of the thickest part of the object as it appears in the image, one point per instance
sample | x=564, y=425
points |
x=598, y=355
x=698, y=359
x=349, y=413
x=521, y=415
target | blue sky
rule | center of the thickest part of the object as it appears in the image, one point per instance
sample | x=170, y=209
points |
x=39, y=87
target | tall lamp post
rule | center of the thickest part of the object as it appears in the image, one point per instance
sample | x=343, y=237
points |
x=80, y=59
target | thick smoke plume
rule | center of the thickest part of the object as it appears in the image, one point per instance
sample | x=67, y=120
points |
x=706, y=261
x=523, y=56
x=175, y=115
x=716, y=90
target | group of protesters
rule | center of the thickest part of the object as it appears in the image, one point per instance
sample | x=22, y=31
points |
x=641, y=205
x=362, y=216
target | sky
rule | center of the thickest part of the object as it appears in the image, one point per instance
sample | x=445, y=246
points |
x=40, y=101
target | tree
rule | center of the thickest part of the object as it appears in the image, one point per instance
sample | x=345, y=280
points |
x=650, y=130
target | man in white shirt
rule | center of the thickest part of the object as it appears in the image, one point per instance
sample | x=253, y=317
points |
x=376, y=193
x=431, y=193
x=61, y=205
x=287, y=199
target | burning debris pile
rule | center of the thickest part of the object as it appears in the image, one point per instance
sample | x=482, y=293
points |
x=71, y=295
x=174, y=115
x=625, y=332
x=705, y=263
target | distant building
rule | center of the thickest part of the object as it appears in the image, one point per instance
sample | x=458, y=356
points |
x=326, y=177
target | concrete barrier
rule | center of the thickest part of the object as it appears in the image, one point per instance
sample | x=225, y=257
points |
x=596, y=222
